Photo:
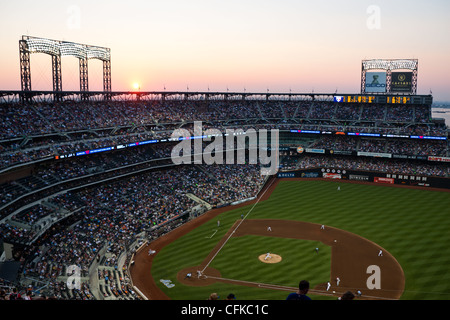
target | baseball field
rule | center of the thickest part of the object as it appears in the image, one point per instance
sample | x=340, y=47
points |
x=388, y=242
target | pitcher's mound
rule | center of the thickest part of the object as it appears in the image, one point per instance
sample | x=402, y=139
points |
x=271, y=258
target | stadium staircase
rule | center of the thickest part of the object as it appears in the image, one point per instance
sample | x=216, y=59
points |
x=43, y=117
x=294, y=116
x=198, y=200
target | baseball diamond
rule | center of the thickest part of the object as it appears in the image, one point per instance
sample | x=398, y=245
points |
x=352, y=257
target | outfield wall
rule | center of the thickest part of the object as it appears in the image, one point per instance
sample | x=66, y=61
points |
x=368, y=176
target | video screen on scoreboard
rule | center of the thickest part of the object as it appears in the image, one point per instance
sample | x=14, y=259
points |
x=375, y=82
x=401, y=82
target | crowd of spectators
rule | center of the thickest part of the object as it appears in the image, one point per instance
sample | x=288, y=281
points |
x=378, y=145
x=30, y=215
x=421, y=148
x=322, y=111
x=21, y=119
x=242, y=181
x=110, y=216
x=15, y=234
x=54, y=172
x=36, y=131
x=336, y=143
x=393, y=166
x=114, y=214
x=373, y=113
x=400, y=114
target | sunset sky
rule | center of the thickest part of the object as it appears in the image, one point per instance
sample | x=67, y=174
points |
x=257, y=45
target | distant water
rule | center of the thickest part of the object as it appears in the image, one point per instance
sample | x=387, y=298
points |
x=445, y=115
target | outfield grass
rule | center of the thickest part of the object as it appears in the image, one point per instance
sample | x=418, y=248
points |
x=413, y=225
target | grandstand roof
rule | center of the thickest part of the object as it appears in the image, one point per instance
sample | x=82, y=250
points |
x=13, y=95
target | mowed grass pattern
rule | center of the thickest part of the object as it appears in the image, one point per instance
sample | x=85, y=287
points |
x=239, y=260
x=413, y=225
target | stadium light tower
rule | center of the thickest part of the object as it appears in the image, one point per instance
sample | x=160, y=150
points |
x=56, y=49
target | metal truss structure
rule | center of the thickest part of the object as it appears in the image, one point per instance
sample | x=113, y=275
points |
x=12, y=96
x=389, y=65
x=56, y=49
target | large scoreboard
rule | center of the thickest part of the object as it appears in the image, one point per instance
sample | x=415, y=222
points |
x=389, y=76
x=384, y=99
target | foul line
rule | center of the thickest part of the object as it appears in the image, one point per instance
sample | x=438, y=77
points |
x=291, y=289
x=231, y=234
x=215, y=231
x=261, y=285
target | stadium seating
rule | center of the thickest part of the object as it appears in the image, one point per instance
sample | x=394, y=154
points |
x=89, y=211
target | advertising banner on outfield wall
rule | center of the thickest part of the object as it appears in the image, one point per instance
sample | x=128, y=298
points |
x=328, y=175
x=309, y=175
x=286, y=175
x=368, y=176
x=358, y=177
x=383, y=180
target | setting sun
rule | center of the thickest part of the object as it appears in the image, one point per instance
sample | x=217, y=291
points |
x=136, y=86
